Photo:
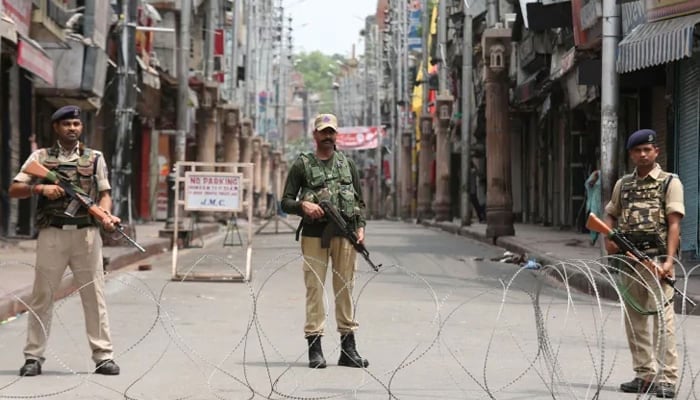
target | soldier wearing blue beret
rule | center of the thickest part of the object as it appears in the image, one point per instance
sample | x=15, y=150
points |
x=642, y=136
x=68, y=240
x=647, y=207
x=66, y=112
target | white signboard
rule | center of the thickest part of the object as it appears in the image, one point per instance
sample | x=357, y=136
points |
x=213, y=191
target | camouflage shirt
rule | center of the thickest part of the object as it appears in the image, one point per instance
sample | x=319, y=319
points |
x=300, y=184
x=641, y=205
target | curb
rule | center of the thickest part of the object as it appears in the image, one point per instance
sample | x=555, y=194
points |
x=558, y=271
x=13, y=303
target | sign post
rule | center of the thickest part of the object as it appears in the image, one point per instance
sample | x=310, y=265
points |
x=206, y=190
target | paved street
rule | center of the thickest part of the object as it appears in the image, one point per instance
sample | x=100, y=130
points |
x=440, y=321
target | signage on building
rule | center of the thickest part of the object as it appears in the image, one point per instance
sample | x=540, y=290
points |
x=590, y=13
x=415, y=39
x=21, y=13
x=526, y=49
x=633, y=15
x=32, y=57
x=358, y=137
x=562, y=62
x=665, y=9
x=586, y=20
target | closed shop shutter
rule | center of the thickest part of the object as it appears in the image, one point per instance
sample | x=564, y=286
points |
x=688, y=148
x=659, y=123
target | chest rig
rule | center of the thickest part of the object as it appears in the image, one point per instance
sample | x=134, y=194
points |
x=643, y=205
x=334, y=179
x=80, y=173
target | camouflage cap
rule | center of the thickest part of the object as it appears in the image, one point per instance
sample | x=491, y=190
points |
x=324, y=121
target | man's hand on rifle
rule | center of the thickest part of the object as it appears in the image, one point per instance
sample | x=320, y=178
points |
x=51, y=192
x=110, y=222
x=611, y=247
x=312, y=210
x=668, y=268
x=360, y=235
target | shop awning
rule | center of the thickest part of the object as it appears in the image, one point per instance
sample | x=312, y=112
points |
x=32, y=57
x=657, y=43
x=7, y=28
x=149, y=76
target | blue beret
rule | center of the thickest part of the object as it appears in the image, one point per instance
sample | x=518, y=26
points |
x=66, y=112
x=642, y=136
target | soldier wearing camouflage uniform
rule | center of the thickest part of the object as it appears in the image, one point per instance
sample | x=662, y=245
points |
x=647, y=206
x=327, y=174
x=68, y=241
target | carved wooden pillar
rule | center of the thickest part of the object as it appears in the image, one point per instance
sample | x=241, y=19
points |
x=406, y=174
x=256, y=154
x=442, y=158
x=499, y=197
x=231, y=136
x=425, y=159
x=265, y=174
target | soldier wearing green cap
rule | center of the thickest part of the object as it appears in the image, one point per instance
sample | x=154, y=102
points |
x=66, y=240
x=647, y=206
x=327, y=174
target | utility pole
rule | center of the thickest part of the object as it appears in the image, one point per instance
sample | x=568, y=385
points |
x=378, y=118
x=425, y=152
x=183, y=96
x=207, y=126
x=442, y=45
x=287, y=63
x=233, y=82
x=444, y=112
x=248, y=64
x=467, y=89
x=392, y=97
x=121, y=175
x=609, y=98
x=210, y=36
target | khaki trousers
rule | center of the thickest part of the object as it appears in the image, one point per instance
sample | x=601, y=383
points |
x=343, y=255
x=643, y=342
x=81, y=249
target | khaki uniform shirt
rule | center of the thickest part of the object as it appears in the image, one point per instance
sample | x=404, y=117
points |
x=674, y=195
x=68, y=155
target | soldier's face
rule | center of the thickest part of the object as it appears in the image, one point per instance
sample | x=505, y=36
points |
x=69, y=129
x=325, y=137
x=644, y=155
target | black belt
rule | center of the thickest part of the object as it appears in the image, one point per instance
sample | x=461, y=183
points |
x=71, y=223
x=70, y=227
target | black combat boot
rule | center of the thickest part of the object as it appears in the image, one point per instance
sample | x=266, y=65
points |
x=348, y=353
x=638, y=385
x=316, y=359
x=30, y=368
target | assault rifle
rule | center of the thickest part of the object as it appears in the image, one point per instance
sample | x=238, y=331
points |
x=346, y=231
x=597, y=225
x=80, y=198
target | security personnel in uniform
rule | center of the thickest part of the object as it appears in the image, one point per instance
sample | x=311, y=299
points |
x=647, y=206
x=327, y=174
x=68, y=241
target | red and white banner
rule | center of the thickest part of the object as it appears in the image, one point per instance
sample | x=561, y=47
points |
x=32, y=57
x=21, y=13
x=358, y=137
